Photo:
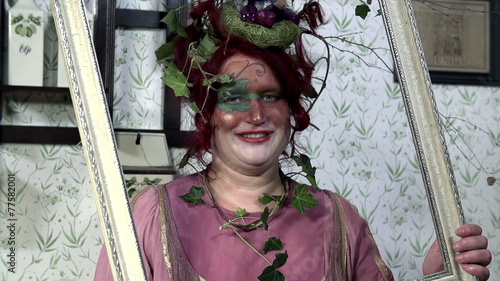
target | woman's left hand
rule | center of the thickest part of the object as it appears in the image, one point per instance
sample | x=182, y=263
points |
x=473, y=253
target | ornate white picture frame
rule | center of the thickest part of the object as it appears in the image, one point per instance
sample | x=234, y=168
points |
x=428, y=138
x=96, y=132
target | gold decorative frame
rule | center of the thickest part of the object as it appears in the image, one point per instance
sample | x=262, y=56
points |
x=416, y=88
x=96, y=132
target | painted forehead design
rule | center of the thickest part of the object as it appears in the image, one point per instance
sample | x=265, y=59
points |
x=234, y=95
x=259, y=67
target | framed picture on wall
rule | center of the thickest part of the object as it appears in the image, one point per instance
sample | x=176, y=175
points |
x=461, y=40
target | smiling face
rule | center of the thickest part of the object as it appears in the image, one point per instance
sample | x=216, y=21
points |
x=251, y=121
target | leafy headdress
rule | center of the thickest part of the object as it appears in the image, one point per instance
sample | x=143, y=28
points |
x=188, y=60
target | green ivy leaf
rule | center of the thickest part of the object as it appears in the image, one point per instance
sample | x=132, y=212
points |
x=303, y=200
x=265, y=200
x=186, y=157
x=271, y=273
x=305, y=163
x=171, y=69
x=224, y=78
x=311, y=92
x=194, y=107
x=178, y=84
x=176, y=80
x=268, y=198
x=199, y=59
x=240, y=213
x=362, y=10
x=194, y=195
x=280, y=259
x=173, y=23
x=264, y=217
x=166, y=51
x=205, y=49
x=273, y=244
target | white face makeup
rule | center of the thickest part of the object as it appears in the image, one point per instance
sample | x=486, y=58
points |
x=251, y=120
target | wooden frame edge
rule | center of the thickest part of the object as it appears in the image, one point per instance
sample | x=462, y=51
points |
x=418, y=97
x=96, y=131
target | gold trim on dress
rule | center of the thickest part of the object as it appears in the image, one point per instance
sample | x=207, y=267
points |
x=345, y=247
x=169, y=243
x=384, y=269
x=378, y=259
x=338, y=262
x=136, y=196
x=163, y=228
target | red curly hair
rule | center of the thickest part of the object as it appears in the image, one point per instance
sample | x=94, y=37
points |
x=294, y=72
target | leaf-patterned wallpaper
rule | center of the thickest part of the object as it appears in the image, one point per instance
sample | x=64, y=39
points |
x=57, y=229
x=138, y=88
x=363, y=150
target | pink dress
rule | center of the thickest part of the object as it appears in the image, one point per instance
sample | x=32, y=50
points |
x=183, y=242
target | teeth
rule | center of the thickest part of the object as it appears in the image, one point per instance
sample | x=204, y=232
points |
x=255, y=135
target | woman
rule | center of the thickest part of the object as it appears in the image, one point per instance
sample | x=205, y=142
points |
x=215, y=225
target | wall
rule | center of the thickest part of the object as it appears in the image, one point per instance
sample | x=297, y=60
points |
x=363, y=151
